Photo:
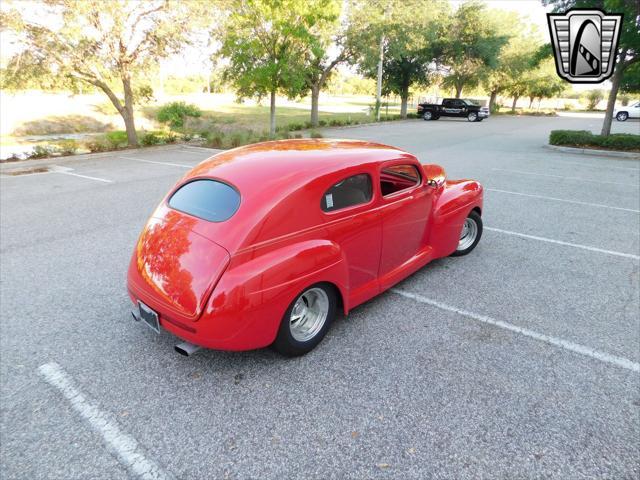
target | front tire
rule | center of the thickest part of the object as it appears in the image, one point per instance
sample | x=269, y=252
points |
x=470, y=234
x=622, y=116
x=306, y=321
x=427, y=116
x=472, y=117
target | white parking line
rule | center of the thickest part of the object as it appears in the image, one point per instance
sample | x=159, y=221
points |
x=68, y=171
x=580, y=179
x=123, y=445
x=213, y=151
x=558, y=342
x=158, y=163
x=577, y=202
x=568, y=244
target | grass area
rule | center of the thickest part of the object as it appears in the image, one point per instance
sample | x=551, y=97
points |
x=62, y=124
x=586, y=139
x=238, y=117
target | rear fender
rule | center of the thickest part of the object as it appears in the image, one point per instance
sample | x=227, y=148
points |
x=456, y=200
x=253, y=294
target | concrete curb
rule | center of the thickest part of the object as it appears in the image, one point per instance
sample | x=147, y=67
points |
x=591, y=151
x=6, y=167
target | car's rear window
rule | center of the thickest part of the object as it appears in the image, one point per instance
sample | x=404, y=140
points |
x=207, y=199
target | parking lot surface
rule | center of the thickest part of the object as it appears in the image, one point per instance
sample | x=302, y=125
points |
x=520, y=360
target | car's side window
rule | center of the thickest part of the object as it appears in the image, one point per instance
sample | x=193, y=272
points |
x=398, y=177
x=351, y=191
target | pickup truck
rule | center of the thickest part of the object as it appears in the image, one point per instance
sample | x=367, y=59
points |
x=453, y=107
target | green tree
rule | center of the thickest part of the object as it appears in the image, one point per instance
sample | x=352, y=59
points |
x=267, y=43
x=98, y=43
x=471, y=46
x=630, y=83
x=628, y=54
x=543, y=82
x=516, y=57
x=411, y=44
x=328, y=49
x=593, y=98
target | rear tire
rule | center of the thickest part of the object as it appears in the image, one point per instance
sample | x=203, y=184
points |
x=306, y=321
x=470, y=234
x=427, y=116
x=622, y=116
x=472, y=117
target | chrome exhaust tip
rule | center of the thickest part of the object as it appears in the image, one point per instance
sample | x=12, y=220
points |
x=187, y=349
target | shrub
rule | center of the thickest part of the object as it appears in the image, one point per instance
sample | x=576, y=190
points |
x=98, y=144
x=150, y=138
x=67, y=147
x=592, y=98
x=40, y=151
x=174, y=113
x=216, y=139
x=237, y=139
x=584, y=138
x=117, y=139
x=322, y=123
x=315, y=134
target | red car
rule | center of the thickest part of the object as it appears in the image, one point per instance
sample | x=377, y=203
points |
x=261, y=245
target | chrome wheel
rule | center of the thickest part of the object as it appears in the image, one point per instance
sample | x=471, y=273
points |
x=468, y=234
x=622, y=116
x=309, y=314
x=427, y=115
x=472, y=117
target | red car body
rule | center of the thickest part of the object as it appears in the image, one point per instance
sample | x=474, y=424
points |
x=226, y=285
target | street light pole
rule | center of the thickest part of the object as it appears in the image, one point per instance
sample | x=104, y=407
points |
x=379, y=84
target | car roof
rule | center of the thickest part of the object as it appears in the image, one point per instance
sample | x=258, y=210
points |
x=266, y=163
x=274, y=180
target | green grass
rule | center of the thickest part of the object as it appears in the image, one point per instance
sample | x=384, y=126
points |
x=230, y=118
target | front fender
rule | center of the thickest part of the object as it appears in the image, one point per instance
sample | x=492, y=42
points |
x=455, y=200
x=246, y=307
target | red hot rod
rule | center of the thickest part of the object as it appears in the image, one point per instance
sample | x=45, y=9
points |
x=261, y=245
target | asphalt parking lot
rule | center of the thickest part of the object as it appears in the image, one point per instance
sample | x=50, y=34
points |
x=521, y=360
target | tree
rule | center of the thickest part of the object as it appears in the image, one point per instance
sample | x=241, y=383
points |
x=328, y=50
x=471, y=46
x=543, y=82
x=98, y=43
x=628, y=53
x=411, y=44
x=266, y=43
x=516, y=57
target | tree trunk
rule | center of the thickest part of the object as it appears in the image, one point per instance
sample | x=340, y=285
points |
x=611, y=102
x=127, y=114
x=315, y=99
x=531, y=99
x=492, y=101
x=513, y=105
x=404, y=99
x=272, y=115
x=459, y=90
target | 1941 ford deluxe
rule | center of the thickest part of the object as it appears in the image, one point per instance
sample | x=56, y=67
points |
x=260, y=245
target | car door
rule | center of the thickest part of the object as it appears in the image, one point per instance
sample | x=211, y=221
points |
x=634, y=112
x=405, y=209
x=356, y=227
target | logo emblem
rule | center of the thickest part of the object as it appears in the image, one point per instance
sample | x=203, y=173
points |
x=585, y=43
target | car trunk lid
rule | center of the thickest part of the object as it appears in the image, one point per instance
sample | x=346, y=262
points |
x=174, y=268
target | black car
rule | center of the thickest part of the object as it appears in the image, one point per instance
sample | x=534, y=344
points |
x=453, y=107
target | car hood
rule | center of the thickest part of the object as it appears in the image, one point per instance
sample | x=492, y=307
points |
x=175, y=269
